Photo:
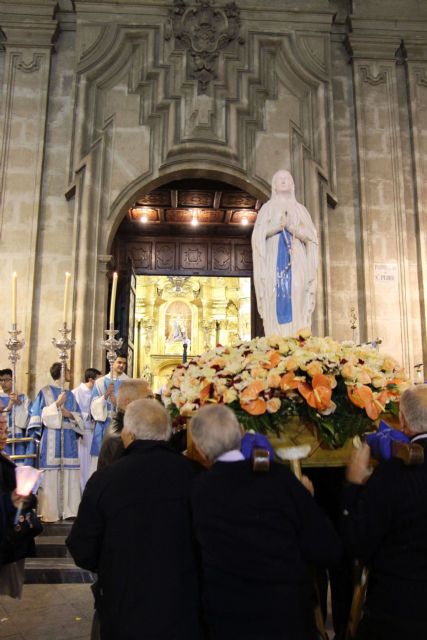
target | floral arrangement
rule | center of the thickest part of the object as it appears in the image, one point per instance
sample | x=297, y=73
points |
x=340, y=387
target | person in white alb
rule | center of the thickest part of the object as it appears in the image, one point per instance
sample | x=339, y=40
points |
x=57, y=421
x=83, y=395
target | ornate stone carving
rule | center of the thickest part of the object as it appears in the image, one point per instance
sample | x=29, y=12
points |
x=204, y=31
x=370, y=78
x=31, y=65
x=421, y=76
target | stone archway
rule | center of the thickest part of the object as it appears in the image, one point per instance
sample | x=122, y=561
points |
x=216, y=247
x=217, y=252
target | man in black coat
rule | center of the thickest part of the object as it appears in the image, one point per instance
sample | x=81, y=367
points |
x=384, y=524
x=259, y=533
x=134, y=529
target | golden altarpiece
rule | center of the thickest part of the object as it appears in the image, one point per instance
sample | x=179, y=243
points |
x=186, y=314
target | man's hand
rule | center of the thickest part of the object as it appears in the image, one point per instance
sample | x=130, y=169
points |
x=109, y=392
x=17, y=501
x=66, y=413
x=61, y=399
x=13, y=400
x=358, y=469
x=307, y=483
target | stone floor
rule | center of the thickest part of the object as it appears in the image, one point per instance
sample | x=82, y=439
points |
x=48, y=612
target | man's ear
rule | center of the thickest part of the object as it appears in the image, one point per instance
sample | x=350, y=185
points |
x=202, y=454
x=404, y=425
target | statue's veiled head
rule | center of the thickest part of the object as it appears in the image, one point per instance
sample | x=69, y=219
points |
x=282, y=183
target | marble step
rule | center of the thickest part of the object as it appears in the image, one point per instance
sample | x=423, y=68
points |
x=55, y=571
x=53, y=564
x=51, y=547
x=62, y=528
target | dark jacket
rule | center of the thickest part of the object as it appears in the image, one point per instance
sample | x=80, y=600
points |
x=12, y=547
x=384, y=523
x=259, y=533
x=112, y=447
x=134, y=529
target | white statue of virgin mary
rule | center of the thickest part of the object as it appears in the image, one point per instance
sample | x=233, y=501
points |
x=284, y=248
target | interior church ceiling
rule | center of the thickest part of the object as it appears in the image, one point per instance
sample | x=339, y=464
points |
x=199, y=204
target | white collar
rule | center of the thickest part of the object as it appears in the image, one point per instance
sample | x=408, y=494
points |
x=231, y=456
x=419, y=436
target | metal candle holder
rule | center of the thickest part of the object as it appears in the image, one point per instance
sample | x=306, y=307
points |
x=112, y=345
x=14, y=344
x=64, y=344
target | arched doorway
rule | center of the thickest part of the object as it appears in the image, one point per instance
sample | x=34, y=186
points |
x=185, y=243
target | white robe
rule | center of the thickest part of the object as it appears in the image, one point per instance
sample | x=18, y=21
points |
x=83, y=395
x=265, y=243
x=45, y=412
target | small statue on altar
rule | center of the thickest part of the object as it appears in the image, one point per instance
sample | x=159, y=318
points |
x=178, y=332
x=284, y=247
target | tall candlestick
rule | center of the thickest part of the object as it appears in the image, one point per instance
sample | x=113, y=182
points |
x=14, y=282
x=113, y=299
x=67, y=286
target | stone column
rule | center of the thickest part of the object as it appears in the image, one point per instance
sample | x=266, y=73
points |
x=416, y=57
x=387, y=299
x=29, y=31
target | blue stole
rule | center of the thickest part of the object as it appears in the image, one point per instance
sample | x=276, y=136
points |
x=50, y=444
x=20, y=449
x=100, y=389
x=284, y=278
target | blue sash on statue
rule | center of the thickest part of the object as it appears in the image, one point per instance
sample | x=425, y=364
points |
x=284, y=279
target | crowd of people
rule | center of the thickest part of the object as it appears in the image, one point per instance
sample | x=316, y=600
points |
x=216, y=549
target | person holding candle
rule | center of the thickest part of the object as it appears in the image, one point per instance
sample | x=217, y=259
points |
x=55, y=410
x=104, y=403
x=10, y=400
x=13, y=551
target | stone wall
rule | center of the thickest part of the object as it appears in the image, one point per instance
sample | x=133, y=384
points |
x=99, y=105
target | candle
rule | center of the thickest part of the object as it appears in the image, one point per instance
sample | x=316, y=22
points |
x=113, y=299
x=67, y=286
x=14, y=281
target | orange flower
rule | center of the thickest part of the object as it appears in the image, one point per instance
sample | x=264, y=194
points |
x=249, y=400
x=204, y=393
x=365, y=398
x=252, y=390
x=319, y=394
x=254, y=407
x=288, y=381
x=360, y=396
x=274, y=357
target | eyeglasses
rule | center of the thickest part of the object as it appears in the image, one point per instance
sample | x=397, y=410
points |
x=5, y=380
